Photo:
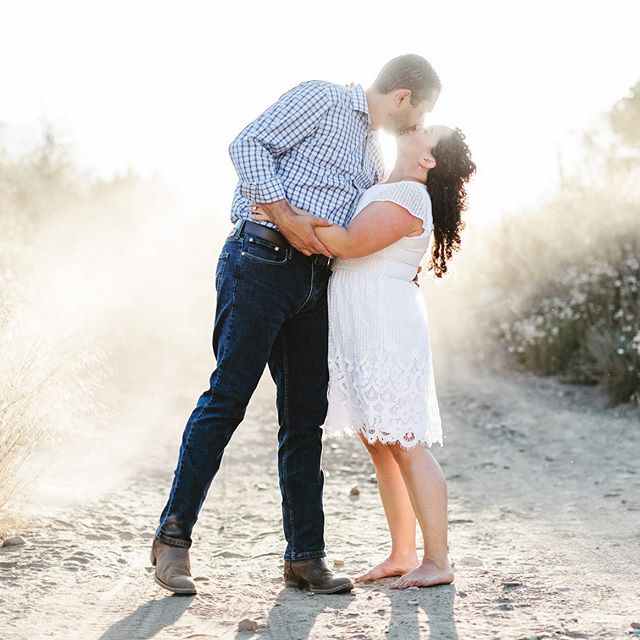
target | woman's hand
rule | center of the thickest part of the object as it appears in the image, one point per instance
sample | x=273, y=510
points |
x=415, y=280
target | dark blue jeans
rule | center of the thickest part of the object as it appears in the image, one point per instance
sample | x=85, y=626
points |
x=271, y=309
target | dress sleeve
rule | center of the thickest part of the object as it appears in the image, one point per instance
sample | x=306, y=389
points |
x=413, y=196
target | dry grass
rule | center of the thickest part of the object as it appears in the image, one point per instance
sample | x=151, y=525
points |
x=106, y=301
x=48, y=375
x=46, y=394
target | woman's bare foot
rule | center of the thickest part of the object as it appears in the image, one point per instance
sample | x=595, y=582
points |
x=389, y=568
x=428, y=574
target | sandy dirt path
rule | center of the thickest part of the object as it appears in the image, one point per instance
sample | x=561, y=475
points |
x=544, y=531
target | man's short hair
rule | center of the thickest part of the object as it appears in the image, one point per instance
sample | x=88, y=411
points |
x=411, y=72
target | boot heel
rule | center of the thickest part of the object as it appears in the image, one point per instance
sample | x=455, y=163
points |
x=291, y=581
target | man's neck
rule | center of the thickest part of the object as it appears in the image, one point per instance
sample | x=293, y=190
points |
x=375, y=107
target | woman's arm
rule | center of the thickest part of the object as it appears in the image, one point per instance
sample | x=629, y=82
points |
x=377, y=226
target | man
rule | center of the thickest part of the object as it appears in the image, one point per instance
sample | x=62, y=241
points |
x=316, y=149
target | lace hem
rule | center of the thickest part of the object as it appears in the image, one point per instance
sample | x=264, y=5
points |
x=335, y=433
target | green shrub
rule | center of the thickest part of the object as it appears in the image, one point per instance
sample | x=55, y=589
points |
x=558, y=287
x=585, y=325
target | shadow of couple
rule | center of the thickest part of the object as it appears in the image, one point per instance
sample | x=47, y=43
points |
x=395, y=613
x=405, y=615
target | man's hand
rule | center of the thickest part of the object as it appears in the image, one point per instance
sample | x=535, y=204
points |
x=300, y=232
x=415, y=280
x=296, y=226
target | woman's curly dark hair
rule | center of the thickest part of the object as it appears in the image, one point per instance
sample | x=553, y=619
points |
x=446, y=186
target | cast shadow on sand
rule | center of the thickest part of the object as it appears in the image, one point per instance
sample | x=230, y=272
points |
x=149, y=619
x=436, y=602
x=294, y=614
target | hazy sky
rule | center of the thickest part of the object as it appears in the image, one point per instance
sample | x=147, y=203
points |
x=167, y=85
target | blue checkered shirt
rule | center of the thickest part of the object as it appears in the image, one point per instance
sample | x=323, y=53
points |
x=314, y=148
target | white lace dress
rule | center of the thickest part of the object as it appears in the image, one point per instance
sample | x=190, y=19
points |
x=381, y=379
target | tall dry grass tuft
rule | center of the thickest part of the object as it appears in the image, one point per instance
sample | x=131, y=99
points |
x=47, y=386
x=48, y=374
x=99, y=281
x=106, y=300
x=559, y=287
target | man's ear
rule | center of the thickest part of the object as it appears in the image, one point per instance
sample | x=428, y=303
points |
x=402, y=96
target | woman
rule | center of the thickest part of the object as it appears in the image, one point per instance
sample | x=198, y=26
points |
x=380, y=369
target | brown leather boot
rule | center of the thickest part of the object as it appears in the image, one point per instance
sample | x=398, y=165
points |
x=173, y=569
x=314, y=575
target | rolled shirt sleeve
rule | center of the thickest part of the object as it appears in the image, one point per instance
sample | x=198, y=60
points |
x=256, y=150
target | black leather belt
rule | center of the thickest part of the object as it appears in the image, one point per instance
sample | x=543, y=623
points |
x=260, y=231
x=266, y=233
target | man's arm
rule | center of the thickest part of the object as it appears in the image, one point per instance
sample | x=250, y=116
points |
x=255, y=152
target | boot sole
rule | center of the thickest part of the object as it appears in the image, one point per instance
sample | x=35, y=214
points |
x=178, y=590
x=303, y=585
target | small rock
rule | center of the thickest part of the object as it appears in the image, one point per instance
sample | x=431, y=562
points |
x=246, y=624
x=412, y=602
x=338, y=562
x=635, y=625
x=471, y=561
x=462, y=594
x=355, y=491
x=512, y=584
x=14, y=541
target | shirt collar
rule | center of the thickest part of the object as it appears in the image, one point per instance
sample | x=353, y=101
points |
x=359, y=100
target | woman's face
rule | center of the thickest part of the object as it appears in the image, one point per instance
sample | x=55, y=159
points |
x=417, y=145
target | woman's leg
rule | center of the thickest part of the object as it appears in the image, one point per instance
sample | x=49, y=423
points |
x=427, y=490
x=399, y=513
